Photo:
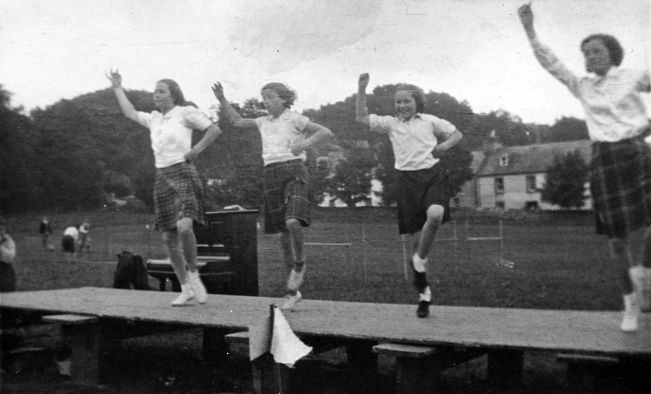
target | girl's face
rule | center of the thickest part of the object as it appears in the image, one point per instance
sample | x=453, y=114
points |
x=272, y=102
x=405, y=104
x=597, y=58
x=163, y=97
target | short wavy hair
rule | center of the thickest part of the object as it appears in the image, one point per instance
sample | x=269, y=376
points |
x=283, y=91
x=175, y=91
x=416, y=92
x=615, y=50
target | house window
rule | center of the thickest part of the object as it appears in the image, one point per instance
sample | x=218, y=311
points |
x=499, y=204
x=504, y=161
x=531, y=183
x=499, y=185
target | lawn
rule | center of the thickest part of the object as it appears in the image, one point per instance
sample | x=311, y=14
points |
x=546, y=261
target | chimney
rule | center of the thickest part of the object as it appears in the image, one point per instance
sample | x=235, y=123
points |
x=491, y=143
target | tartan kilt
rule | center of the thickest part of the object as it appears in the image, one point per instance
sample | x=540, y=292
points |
x=177, y=194
x=620, y=182
x=286, y=189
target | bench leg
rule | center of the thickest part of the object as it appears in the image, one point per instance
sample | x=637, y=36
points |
x=416, y=375
x=215, y=348
x=363, y=361
x=92, y=352
x=505, y=368
x=270, y=378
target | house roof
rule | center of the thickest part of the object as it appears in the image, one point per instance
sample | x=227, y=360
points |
x=529, y=159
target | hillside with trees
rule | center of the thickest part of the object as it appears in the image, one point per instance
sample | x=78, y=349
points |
x=71, y=154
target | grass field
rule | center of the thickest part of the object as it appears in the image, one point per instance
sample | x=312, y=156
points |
x=547, y=261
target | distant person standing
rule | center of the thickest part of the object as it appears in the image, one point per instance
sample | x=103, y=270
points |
x=286, y=135
x=69, y=242
x=418, y=141
x=45, y=231
x=84, y=236
x=620, y=171
x=7, y=258
x=177, y=191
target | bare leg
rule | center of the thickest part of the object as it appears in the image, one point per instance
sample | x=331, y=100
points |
x=296, y=239
x=296, y=275
x=620, y=253
x=428, y=233
x=188, y=242
x=646, y=248
x=286, y=249
x=171, y=242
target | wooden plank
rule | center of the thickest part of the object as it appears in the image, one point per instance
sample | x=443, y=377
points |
x=237, y=337
x=69, y=319
x=471, y=327
x=402, y=350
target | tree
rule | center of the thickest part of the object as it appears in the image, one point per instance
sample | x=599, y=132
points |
x=569, y=129
x=565, y=181
x=16, y=155
x=81, y=141
x=351, y=181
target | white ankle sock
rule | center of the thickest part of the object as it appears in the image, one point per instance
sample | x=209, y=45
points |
x=426, y=295
x=420, y=265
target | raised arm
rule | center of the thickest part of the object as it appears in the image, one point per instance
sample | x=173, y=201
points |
x=361, y=112
x=317, y=133
x=125, y=105
x=526, y=18
x=230, y=113
x=544, y=55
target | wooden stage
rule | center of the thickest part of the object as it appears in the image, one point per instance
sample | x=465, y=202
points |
x=529, y=329
x=506, y=331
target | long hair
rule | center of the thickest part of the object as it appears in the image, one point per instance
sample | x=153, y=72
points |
x=175, y=91
x=416, y=93
x=283, y=91
x=615, y=50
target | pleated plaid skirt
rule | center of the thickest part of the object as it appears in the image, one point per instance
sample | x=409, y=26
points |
x=620, y=182
x=177, y=194
x=286, y=188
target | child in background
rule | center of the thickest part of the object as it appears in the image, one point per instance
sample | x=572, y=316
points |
x=620, y=171
x=285, y=137
x=45, y=231
x=84, y=236
x=69, y=243
x=418, y=140
x=7, y=258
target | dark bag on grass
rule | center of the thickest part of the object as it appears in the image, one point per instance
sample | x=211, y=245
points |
x=131, y=272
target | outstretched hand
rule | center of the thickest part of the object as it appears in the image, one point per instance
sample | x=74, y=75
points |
x=363, y=81
x=526, y=15
x=114, y=76
x=218, y=91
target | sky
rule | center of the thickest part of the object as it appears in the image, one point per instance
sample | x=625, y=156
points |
x=474, y=50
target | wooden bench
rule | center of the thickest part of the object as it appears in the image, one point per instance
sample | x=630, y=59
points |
x=416, y=370
x=227, y=254
x=81, y=334
x=215, y=272
x=583, y=370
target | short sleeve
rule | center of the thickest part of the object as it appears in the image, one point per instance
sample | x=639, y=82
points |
x=300, y=122
x=442, y=127
x=195, y=119
x=259, y=121
x=644, y=82
x=380, y=124
x=144, y=118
